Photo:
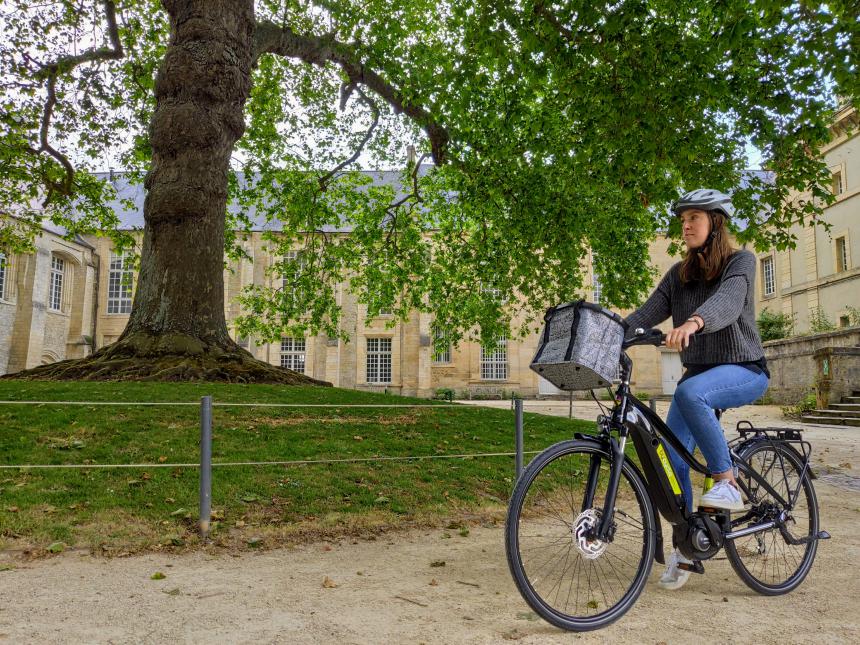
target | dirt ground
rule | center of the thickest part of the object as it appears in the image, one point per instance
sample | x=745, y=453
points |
x=389, y=591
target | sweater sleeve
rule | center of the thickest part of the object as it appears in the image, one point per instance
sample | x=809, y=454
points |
x=657, y=308
x=727, y=303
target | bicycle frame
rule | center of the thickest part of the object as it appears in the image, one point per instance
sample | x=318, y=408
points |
x=631, y=418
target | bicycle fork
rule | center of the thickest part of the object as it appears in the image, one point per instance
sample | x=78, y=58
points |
x=604, y=530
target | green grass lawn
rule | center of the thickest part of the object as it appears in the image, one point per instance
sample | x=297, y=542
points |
x=129, y=509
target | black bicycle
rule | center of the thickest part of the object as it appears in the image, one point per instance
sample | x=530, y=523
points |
x=583, y=525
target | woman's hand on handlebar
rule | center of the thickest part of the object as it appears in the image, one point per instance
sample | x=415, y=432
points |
x=679, y=338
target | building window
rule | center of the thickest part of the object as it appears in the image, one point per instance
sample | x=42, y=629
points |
x=768, y=278
x=293, y=354
x=3, y=271
x=596, y=287
x=841, y=254
x=55, y=294
x=844, y=321
x=495, y=294
x=838, y=185
x=494, y=362
x=379, y=360
x=443, y=356
x=289, y=278
x=119, y=284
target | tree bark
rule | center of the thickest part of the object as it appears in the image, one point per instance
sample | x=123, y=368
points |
x=200, y=93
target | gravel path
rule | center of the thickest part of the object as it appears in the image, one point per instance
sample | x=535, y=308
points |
x=389, y=591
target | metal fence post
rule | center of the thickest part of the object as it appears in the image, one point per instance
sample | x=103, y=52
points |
x=205, y=465
x=518, y=420
x=652, y=403
x=570, y=406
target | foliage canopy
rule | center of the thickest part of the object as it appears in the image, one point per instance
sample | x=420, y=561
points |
x=553, y=128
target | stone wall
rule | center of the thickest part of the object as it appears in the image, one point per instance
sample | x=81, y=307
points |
x=7, y=322
x=796, y=363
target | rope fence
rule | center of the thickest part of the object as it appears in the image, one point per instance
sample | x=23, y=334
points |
x=206, y=464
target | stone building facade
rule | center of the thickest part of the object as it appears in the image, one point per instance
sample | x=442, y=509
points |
x=818, y=282
x=72, y=297
x=48, y=302
x=95, y=295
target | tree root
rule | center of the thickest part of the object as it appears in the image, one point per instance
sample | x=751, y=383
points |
x=144, y=357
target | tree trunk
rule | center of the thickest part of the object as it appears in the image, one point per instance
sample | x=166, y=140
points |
x=177, y=329
x=200, y=94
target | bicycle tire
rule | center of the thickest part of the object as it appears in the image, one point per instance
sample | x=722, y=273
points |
x=765, y=561
x=532, y=509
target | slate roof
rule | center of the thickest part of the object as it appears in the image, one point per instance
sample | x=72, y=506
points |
x=128, y=204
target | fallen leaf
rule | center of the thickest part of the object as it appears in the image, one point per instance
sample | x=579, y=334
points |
x=162, y=459
x=437, y=563
x=171, y=592
x=56, y=547
x=591, y=604
x=464, y=532
x=328, y=583
x=434, y=583
x=157, y=576
x=178, y=512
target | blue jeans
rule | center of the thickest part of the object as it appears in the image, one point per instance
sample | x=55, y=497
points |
x=692, y=418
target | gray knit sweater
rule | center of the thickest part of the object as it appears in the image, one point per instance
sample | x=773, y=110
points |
x=726, y=306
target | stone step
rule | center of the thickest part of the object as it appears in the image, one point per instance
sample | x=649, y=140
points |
x=834, y=413
x=850, y=399
x=830, y=421
x=844, y=406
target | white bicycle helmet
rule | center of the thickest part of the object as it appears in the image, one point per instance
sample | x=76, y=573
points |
x=705, y=199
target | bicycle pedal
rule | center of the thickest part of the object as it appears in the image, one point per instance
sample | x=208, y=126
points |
x=694, y=567
x=709, y=510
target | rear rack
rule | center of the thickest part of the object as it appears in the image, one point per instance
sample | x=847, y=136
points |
x=746, y=430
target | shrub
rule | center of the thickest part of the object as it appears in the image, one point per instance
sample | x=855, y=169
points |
x=853, y=316
x=773, y=326
x=444, y=393
x=804, y=405
x=819, y=322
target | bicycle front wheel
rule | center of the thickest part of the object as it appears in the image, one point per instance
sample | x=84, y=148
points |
x=571, y=581
x=766, y=561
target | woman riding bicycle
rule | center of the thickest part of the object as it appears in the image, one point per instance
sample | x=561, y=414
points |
x=709, y=296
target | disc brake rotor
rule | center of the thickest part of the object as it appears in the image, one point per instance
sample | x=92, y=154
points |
x=583, y=526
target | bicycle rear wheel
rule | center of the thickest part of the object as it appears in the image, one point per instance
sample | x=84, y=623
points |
x=766, y=561
x=570, y=581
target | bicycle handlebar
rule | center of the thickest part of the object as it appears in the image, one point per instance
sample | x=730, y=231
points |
x=641, y=336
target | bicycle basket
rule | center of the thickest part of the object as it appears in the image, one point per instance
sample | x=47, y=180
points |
x=580, y=346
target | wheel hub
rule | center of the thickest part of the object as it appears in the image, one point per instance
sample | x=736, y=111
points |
x=583, y=528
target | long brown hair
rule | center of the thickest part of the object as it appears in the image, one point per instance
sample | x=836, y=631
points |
x=708, y=263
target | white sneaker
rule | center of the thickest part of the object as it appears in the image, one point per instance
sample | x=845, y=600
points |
x=723, y=495
x=674, y=578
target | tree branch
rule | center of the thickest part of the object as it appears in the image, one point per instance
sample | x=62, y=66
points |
x=50, y=71
x=319, y=50
x=324, y=180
